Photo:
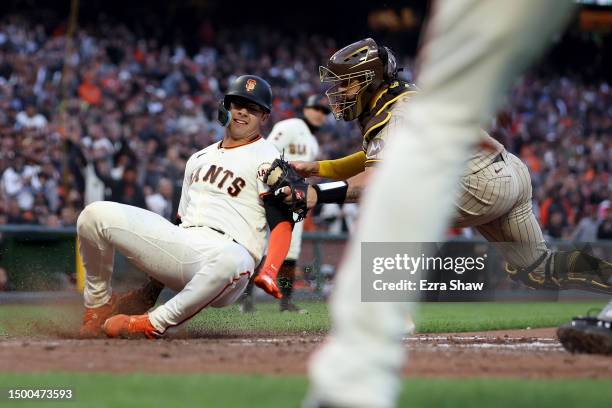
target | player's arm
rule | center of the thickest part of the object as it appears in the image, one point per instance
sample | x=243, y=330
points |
x=280, y=222
x=103, y=175
x=339, y=192
x=357, y=184
x=355, y=170
x=337, y=169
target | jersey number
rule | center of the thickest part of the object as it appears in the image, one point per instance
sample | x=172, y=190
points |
x=297, y=149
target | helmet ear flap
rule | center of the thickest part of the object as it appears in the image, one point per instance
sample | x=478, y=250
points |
x=389, y=62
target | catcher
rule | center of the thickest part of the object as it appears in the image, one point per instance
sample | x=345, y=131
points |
x=224, y=210
x=495, y=192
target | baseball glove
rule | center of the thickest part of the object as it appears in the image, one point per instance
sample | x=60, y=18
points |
x=280, y=175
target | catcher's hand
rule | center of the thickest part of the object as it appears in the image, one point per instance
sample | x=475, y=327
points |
x=288, y=187
x=306, y=169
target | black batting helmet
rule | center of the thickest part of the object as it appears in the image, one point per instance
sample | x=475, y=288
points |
x=318, y=102
x=252, y=88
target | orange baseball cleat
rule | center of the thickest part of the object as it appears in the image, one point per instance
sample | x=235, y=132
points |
x=268, y=284
x=130, y=327
x=95, y=317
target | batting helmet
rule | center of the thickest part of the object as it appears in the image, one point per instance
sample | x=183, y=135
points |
x=355, y=73
x=318, y=102
x=252, y=88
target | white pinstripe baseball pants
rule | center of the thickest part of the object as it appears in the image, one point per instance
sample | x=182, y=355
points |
x=203, y=266
x=497, y=202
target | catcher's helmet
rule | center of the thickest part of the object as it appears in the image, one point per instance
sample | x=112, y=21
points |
x=356, y=72
x=318, y=102
x=252, y=88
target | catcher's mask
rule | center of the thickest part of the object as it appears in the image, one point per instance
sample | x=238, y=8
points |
x=355, y=73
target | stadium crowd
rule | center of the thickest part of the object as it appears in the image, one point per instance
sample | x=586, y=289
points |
x=114, y=115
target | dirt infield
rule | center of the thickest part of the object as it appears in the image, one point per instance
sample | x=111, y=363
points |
x=516, y=353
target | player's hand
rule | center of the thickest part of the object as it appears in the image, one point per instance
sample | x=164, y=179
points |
x=306, y=169
x=268, y=284
x=311, y=196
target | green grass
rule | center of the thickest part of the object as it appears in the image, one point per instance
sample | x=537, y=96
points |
x=146, y=390
x=430, y=318
x=463, y=317
x=143, y=390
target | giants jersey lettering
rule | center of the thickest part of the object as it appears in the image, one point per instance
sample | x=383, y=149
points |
x=294, y=138
x=222, y=189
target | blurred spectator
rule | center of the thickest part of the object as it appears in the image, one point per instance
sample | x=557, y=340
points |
x=30, y=118
x=124, y=190
x=161, y=201
x=14, y=215
x=123, y=111
x=586, y=230
x=557, y=225
x=605, y=228
x=89, y=91
x=4, y=283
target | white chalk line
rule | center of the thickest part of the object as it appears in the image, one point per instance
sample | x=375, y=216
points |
x=428, y=342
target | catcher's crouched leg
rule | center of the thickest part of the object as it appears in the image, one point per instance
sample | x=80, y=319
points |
x=564, y=270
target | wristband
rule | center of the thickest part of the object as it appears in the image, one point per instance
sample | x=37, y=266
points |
x=334, y=192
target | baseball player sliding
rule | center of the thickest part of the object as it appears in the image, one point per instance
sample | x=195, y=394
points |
x=224, y=212
x=494, y=195
x=295, y=138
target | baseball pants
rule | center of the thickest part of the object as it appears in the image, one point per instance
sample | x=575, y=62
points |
x=205, y=267
x=497, y=201
x=472, y=49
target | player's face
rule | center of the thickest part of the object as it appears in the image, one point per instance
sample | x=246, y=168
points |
x=343, y=95
x=247, y=118
x=350, y=88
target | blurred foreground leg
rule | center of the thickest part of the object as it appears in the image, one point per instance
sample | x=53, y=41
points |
x=472, y=50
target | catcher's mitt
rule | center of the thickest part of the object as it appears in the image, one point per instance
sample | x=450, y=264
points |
x=281, y=174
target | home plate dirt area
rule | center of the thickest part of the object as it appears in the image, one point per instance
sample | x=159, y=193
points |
x=501, y=354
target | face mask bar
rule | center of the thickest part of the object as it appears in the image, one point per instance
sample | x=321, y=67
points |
x=339, y=100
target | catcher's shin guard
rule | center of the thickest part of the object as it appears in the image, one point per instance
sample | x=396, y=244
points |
x=564, y=270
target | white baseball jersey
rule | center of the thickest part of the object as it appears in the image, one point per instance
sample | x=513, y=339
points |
x=293, y=136
x=222, y=189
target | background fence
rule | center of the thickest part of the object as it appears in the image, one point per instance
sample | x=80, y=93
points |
x=44, y=259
